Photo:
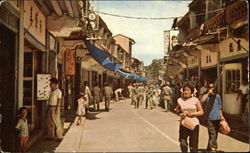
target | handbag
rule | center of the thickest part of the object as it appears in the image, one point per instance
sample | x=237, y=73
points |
x=188, y=123
x=224, y=127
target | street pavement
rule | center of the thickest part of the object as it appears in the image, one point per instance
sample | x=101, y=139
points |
x=125, y=129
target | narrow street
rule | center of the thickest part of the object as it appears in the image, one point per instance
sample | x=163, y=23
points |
x=125, y=129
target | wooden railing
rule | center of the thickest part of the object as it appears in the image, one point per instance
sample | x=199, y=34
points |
x=235, y=12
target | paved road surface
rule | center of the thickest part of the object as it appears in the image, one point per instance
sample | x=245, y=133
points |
x=125, y=129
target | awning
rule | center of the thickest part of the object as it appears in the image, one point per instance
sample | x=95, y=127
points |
x=132, y=76
x=63, y=26
x=101, y=57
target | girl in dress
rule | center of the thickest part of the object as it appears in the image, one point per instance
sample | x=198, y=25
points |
x=82, y=103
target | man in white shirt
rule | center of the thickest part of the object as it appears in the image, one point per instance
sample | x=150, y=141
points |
x=53, y=118
x=117, y=92
x=130, y=87
x=243, y=91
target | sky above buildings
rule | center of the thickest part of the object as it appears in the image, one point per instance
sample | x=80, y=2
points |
x=148, y=34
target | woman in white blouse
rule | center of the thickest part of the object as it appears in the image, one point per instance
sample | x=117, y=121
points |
x=189, y=106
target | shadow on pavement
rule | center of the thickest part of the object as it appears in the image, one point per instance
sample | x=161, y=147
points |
x=205, y=150
x=49, y=145
x=239, y=131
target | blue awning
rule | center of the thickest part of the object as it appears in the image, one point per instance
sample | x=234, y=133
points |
x=101, y=57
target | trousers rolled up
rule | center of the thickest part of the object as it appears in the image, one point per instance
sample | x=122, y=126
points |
x=54, y=123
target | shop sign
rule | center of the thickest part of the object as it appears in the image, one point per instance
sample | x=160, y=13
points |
x=69, y=62
x=208, y=58
x=230, y=47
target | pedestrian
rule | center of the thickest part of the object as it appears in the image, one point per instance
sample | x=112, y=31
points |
x=134, y=95
x=147, y=96
x=82, y=103
x=97, y=96
x=53, y=119
x=157, y=95
x=213, y=116
x=203, y=89
x=141, y=91
x=23, y=131
x=243, y=91
x=152, y=97
x=167, y=95
x=86, y=91
x=189, y=107
x=130, y=87
x=108, y=92
x=118, y=92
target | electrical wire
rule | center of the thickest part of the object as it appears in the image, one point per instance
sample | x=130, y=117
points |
x=154, y=18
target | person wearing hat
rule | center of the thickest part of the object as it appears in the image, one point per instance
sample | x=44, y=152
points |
x=53, y=119
x=167, y=94
x=213, y=116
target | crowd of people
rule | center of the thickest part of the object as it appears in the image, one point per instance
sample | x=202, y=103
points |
x=187, y=101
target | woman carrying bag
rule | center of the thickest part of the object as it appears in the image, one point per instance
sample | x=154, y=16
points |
x=213, y=116
x=189, y=108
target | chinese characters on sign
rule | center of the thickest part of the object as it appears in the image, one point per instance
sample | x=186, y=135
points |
x=70, y=62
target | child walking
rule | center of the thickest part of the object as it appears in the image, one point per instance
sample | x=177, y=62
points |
x=22, y=127
x=82, y=103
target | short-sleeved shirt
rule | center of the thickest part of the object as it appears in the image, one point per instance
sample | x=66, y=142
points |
x=244, y=89
x=22, y=125
x=54, y=96
x=97, y=91
x=215, y=112
x=118, y=90
x=189, y=105
x=108, y=91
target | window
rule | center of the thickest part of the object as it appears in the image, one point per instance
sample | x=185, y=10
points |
x=232, y=80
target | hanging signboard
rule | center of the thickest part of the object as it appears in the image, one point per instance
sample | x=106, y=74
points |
x=70, y=62
x=43, y=86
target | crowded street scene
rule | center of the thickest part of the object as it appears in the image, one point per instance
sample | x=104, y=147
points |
x=124, y=76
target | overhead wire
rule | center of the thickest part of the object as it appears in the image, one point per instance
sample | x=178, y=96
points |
x=155, y=18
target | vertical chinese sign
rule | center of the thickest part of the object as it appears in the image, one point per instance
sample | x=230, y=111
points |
x=70, y=62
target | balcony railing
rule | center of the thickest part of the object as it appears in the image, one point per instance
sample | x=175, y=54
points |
x=235, y=12
x=215, y=22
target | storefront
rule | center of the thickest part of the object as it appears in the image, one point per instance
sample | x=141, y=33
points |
x=8, y=75
x=8, y=105
x=235, y=69
x=209, y=62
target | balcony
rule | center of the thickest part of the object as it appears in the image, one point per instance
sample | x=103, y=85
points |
x=194, y=33
x=237, y=11
x=233, y=13
x=215, y=22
